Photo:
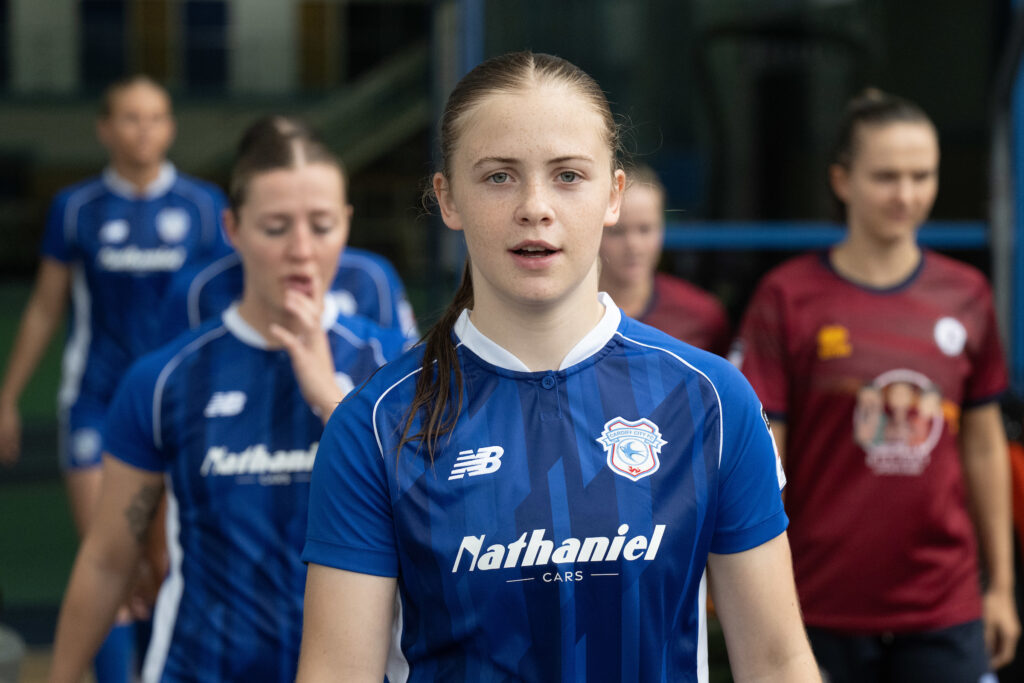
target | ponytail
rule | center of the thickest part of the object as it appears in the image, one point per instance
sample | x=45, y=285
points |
x=439, y=368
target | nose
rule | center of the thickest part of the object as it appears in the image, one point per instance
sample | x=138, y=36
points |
x=300, y=243
x=534, y=206
x=905, y=190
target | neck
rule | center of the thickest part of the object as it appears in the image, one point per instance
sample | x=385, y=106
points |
x=260, y=317
x=632, y=297
x=874, y=263
x=139, y=176
x=539, y=335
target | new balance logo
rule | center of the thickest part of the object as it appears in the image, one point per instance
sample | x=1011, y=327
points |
x=225, y=404
x=485, y=460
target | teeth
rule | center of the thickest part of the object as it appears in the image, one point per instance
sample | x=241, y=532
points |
x=533, y=249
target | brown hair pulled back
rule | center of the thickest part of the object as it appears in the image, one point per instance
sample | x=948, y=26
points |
x=642, y=175
x=508, y=73
x=872, y=107
x=272, y=143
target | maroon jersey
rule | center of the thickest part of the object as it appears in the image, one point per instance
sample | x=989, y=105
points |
x=688, y=313
x=871, y=384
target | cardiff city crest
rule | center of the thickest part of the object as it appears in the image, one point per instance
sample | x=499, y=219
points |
x=632, y=447
x=172, y=224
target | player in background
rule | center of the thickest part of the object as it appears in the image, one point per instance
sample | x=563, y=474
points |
x=630, y=251
x=544, y=480
x=879, y=363
x=111, y=245
x=227, y=419
x=367, y=285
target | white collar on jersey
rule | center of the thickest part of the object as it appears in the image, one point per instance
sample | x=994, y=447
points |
x=247, y=334
x=494, y=354
x=120, y=185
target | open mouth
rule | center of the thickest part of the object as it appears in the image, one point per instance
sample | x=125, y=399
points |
x=300, y=283
x=534, y=251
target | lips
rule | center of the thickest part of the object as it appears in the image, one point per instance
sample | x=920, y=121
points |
x=534, y=250
x=300, y=283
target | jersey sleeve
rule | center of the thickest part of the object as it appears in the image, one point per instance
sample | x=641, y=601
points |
x=395, y=344
x=401, y=309
x=218, y=245
x=174, y=312
x=128, y=432
x=350, y=516
x=749, y=510
x=988, y=377
x=760, y=350
x=55, y=239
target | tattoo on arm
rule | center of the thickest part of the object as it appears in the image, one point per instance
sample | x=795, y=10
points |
x=142, y=509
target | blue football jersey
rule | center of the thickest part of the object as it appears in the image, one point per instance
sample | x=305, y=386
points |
x=563, y=528
x=224, y=417
x=123, y=249
x=366, y=285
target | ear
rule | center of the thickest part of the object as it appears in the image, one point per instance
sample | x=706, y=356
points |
x=839, y=179
x=611, y=215
x=174, y=132
x=445, y=202
x=230, y=227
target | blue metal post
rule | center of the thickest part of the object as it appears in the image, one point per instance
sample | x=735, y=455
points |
x=1017, y=290
x=471, y=34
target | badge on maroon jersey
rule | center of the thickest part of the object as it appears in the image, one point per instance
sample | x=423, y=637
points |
x=834, y=342
x=898, y=420
x=632, y=447
x=950, y=336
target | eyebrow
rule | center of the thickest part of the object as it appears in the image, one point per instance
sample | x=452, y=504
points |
x=512, y=160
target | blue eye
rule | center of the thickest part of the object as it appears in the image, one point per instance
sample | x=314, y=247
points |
x=568, y=176
x=498, y=178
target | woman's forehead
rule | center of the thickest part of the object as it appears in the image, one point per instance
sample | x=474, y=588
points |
x=312, y=180
x=550, y=117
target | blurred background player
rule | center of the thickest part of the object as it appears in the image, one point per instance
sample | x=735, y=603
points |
x=367, y=285
x=887, y=523
x=497, y=492
x=630, y=251
x=112, y=243
x=230, y=416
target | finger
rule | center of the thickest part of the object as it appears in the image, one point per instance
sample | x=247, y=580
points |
x=991, y=638
x=286, y=338
x=303, y=309
x=9, y=453
x=1006, y=648
x=996, y=644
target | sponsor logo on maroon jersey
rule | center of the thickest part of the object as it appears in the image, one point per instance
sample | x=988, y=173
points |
x=897, y=421
x=834, y=342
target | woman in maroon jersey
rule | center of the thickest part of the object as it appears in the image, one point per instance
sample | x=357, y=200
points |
x=630, y=251
x=879, y=362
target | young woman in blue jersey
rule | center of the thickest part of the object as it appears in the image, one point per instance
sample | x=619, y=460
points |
x=226, y=419
x=544, y=481
x=111, y=245
x=366, y=285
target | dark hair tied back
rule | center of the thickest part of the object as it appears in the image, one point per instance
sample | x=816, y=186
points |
x=872, y=107
x=272, y=143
